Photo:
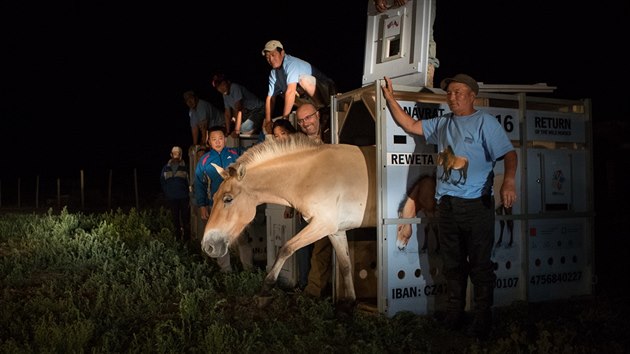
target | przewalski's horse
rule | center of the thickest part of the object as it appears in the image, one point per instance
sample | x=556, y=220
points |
x=449, y=161
x=421, y=197
x=332, y=185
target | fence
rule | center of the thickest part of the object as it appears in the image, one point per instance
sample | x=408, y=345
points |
x=87, y=190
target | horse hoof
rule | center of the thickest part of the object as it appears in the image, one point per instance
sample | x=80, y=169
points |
x=263, y=301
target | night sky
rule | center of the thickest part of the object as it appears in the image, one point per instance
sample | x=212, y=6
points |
x=97, y=85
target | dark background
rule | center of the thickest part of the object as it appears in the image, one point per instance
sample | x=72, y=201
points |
x=98, y=85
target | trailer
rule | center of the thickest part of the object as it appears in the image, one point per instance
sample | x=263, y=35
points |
x=543, y=249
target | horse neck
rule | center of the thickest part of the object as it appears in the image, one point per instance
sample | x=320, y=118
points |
x=276, y=182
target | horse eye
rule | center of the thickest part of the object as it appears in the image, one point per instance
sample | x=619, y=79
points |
x=227, y=199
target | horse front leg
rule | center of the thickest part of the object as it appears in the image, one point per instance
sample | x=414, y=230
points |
x=264, y=297
x=425, y=244
x=305, y=237
x=403, y=234
x=510, y=225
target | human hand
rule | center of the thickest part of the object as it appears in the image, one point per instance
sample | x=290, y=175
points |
x=388, y=90
x=508, y=192
x=267, y=126
x=204, y=212
x=382, y=5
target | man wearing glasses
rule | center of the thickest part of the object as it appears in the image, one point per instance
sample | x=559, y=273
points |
x=319, y=276
x=312, y=124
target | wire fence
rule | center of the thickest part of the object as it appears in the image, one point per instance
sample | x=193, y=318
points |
x=86, y=190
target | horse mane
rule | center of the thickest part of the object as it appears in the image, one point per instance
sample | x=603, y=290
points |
x=272, y=148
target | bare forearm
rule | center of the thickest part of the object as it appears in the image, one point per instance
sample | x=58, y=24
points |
x=508, y=188
x=289, y=100
x=401, y=117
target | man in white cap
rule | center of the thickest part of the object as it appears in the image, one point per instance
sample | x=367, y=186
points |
x=291, y=77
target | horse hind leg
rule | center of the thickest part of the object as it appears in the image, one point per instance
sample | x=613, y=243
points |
x=425, y=243
x=499, y=211
x=502, y=225
x=339, y=242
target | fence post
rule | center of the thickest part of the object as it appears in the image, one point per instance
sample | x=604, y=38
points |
x=58, y=193
x=19, y=192
x=109, y=190
x=82, y=191
x=37, y=192
x=135, y=186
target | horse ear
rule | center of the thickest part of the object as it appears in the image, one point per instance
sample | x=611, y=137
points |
x=240, y=172
x=220, y=169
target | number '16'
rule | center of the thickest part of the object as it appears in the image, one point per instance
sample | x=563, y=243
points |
x=506, y=122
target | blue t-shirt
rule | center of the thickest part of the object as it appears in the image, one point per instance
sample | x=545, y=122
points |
x=479, y=138
x=205, y=111
x=288, y=73
x=249, y=101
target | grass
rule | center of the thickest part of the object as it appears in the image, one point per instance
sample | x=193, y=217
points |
x=119, y=282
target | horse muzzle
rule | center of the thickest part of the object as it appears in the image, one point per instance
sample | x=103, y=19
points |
x=214, y=245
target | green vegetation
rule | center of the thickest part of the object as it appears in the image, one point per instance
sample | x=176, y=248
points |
x=119, y=282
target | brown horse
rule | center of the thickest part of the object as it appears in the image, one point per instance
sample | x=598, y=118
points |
x=421, y=197
x=332, y=185
x=447, y=159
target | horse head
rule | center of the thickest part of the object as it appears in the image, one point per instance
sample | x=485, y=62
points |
x=234, y=208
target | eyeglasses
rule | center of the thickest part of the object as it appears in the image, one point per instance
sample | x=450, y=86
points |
x=308, y=117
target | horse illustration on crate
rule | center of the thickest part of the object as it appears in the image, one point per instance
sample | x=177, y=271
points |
x=420, y=198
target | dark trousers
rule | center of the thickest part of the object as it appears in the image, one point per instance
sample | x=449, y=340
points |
x=466, y=229
x=180, y=213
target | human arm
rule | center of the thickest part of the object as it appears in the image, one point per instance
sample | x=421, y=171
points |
x=201, y=186
x=163, y=180
x=238, y=108
x=269, y=104
x=289, y=99
x=381, y=5
x=508, y=187
x=227, y=114
x=401, y=117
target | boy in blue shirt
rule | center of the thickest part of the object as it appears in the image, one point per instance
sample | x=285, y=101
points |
x=207, y=181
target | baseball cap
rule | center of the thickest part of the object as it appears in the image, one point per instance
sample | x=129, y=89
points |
x=462, y=78
x=176, y=150
x=272, y=45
